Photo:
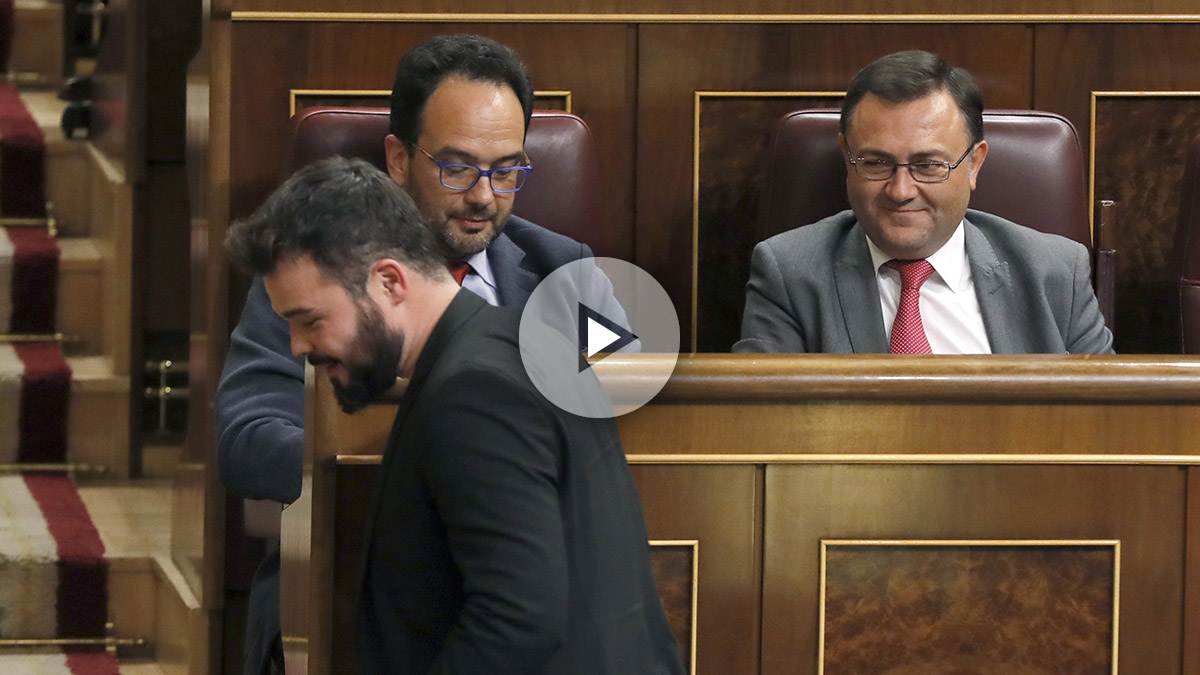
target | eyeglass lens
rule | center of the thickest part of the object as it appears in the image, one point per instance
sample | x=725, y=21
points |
x=464, y=177
x=882, y=169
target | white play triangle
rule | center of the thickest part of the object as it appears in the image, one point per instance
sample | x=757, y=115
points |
x=598, y=337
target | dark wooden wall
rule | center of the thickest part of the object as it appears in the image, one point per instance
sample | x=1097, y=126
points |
x=676, y=104
x=680, y=95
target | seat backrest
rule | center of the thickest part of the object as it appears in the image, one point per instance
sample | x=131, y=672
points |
x=1033, y=174
x=562, y=193
x=1187, y=252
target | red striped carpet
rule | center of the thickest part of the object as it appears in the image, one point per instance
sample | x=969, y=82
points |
x=53, y=575
x=22, y=158
x=58, y=663
x=29, y=285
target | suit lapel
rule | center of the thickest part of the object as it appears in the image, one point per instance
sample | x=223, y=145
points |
x=514, y=281
x=994, y=290
x=858, y=295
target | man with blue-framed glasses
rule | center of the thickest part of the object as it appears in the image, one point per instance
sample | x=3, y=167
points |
x=908, y=269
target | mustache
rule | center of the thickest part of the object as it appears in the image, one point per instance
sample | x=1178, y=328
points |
x=475, y=213
x=322, y=360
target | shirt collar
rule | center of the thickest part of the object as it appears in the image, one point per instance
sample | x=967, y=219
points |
x=949, y=261
x=482, y=268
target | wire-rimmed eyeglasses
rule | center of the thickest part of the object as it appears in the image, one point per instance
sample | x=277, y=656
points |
x=925, y=171
x=457, y=176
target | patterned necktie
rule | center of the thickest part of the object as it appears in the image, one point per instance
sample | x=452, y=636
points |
x=908, y=334
x=459, y=269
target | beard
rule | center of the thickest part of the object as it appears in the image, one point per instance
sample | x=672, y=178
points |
x=454, y=244
x=369, y=377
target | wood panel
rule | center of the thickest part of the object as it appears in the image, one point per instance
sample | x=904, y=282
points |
x=313, y=98
x=675, y=61
x=1191, y=577
x=197, y=504
x=1140, y=145
x=119, y=98
x=733, y=133
x=1142, y=507
x=698, y=457
x=1073, y=61
x=864, y=408
x=979, y=606
x=717, y=7
x=674, y=566
x=592, y=62
x=720, y=507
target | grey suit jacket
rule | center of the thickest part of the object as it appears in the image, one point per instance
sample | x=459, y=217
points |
x=813, y=289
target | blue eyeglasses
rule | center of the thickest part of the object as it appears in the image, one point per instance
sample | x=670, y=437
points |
x=456, y=176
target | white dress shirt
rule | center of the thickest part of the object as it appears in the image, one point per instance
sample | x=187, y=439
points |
x=480, y=280
x=949, y=307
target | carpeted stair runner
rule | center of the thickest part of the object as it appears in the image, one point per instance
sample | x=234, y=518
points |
x=52, y=570
x=53, y=575
x=59, y=663
x=22, y=158
x=28, y=279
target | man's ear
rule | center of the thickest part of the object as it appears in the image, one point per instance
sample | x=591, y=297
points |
x=977, y=158
x=388, y=281
x=397, y=159
x=845, y=150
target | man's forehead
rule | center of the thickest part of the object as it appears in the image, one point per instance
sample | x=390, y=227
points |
x=461, y=111
x=295, y=283
x=934, y=117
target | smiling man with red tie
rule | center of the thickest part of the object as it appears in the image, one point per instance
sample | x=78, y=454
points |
x=909, y=269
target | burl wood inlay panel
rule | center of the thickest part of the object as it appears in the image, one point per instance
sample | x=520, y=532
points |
x=1143, y=507
x=1140, y=146
x=673, y=566
x=969, y=609
x=734, y=135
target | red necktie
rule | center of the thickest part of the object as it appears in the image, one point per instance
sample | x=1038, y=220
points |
x=908, y=334
x=459, y=269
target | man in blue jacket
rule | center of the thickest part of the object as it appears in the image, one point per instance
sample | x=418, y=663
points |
x=461, y=106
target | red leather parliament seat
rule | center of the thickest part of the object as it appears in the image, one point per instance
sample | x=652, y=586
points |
x=1033, y=175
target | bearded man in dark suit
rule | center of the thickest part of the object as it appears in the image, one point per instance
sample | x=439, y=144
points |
x=505, y=534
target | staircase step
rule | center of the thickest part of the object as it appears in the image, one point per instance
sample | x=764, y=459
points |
x=80, y=282
x=134, y=522
x=98, y=424
x=54, y=663
x=37, y=54
x=68, y=186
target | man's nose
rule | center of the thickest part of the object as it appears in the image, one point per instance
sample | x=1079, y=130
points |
x=901, y=187
x=300, y=346
x=481, y=192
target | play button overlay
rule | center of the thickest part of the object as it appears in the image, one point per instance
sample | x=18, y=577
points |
x=597, y=334
x=599, y=337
